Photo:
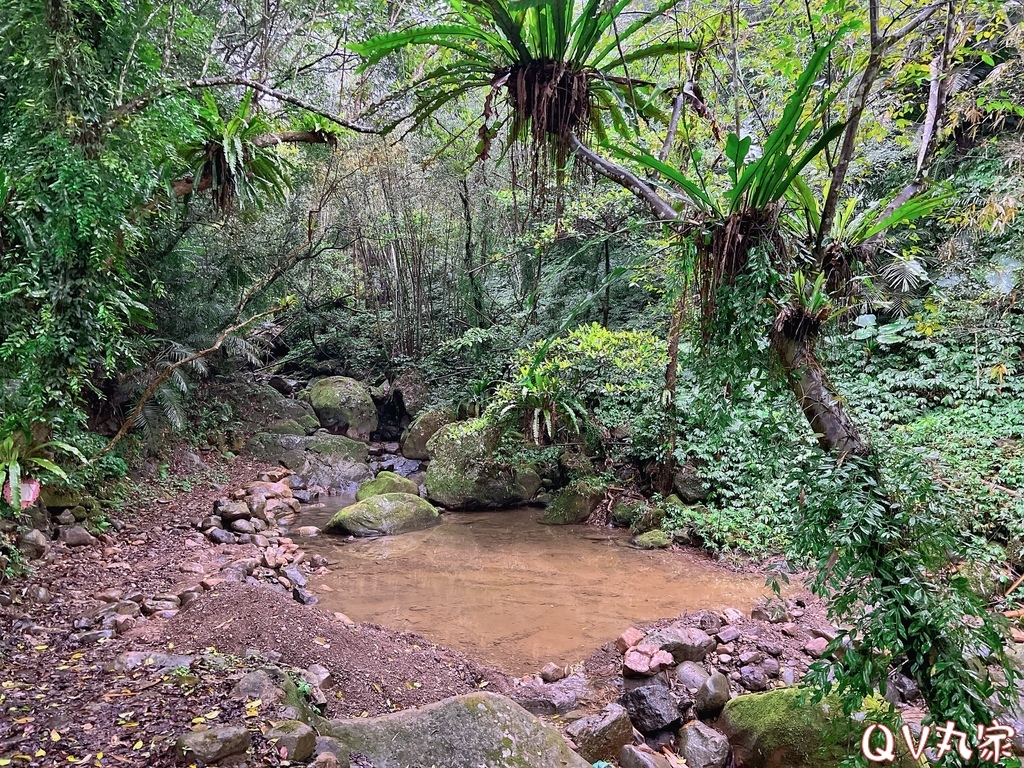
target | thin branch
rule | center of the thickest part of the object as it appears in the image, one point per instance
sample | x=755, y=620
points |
x=662, y=210
x=166, y=374
x=143, y=101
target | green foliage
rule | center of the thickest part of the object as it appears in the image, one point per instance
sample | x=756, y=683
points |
x=20, y=459
x=879, y=538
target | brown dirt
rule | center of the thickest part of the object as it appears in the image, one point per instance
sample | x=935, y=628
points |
x=63, y=703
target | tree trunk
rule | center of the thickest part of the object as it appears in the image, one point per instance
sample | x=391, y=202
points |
x=793, y=337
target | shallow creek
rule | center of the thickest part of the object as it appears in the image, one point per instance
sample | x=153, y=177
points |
x=512, y=592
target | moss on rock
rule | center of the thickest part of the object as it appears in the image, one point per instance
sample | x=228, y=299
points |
x=386, y=482
x=418, y=434
x=465, y=473
x=656, y=539
x=344, y=406
x=389, y=514
x=575, y=502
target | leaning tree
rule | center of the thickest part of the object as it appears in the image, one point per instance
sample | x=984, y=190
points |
x=556, y=78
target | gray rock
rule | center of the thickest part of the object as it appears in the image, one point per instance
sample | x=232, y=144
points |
x=326, y=460
x=601, y=736
x=753, y=678
x=684, y=643
x=331, y=746
x=220, y=536
x=712, y=695
x=229, y=511
x=651, y=708
x=771, y=667
x=262, y=685
x=787, y=676
x=635, y=757
x=900, y=688
x=554, y=699
x=293, y=740
x=552, y=672
x=475, y=730
x=294, y=575
x=728, y=634
x=91, y=638
x=388, y=514
x=691, y=676
x=703, y=747
x=33, y=544
x=689, y=485
x=38, y=594
x=213, y=744
x=304, y=596
x=242, y=526
x=816, y=647
x=76, y=536
x=67, y=517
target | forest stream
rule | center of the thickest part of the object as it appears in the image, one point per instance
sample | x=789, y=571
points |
x=512, y=592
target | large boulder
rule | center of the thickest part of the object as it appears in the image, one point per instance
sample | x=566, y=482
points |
x=689, y=485
x=331, y=461
x=411, y=387
x=386, y=482
x=464, y=472
x=783, y=728
x=601, y=736
x=389, y=514
x=424, y=427
x=344, y=407
x=475, y=730
x=575, y=502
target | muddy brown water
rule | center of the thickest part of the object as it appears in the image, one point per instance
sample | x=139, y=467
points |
x=511, y=592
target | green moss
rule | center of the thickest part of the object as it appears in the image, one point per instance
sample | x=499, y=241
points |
x=286, y=427
x=389, y=514
x=386, y=482
x=656, y=539
x=575, y=502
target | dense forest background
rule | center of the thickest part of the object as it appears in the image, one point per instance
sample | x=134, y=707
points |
x=197, y=196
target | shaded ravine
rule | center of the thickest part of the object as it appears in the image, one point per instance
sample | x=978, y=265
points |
x=512, y=592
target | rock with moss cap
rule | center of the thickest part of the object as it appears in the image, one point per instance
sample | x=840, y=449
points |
x=464, y=472
x=331, y=461
x=425, y=426
x=389, y=514
x=656, y=539
x=475, y=730
x=575, y=502
x=411, y=386
x=783, y=728
x=344, y=407
x=287, y=427
x=386, y=482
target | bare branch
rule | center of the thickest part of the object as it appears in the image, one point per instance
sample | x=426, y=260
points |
x=662, y=210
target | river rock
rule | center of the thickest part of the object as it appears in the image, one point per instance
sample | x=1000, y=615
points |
x=691, y=676
x=414, y=439
x=212, y=745
x=728, y=634
x=551, y=699
x=575, y=502
x=651, y=708
x=475, y=730
x=290, y=427
x=292, y=739
x=464, y=472
x=703, y=747
x=656, y=539
x=684, y=643
x=712, y=695
x=389, y=514
x=323, y=459
x=641, y=757
x=601, y=736
x=220, y=536
x=552, y=672
x=645, y=659
x=780, y=728
x=344, y=407
x=816, y=647
x=386, y=482
x=76, y=536
x=628, y=639
x=753, y=678
x=33, y=544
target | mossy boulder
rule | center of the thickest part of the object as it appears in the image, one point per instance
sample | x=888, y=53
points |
x=656, y=539
x=475, y=730
x=425, y=426
x=344, y=407
x=286, y=427
x=386, y=515
x=575, y=502
x=331, y=461
x=782, y=728
x=625, y=513
x=464, y=472
x=386, y=482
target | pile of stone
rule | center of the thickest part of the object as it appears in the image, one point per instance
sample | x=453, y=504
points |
x=248, y=514
x=119, y=612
